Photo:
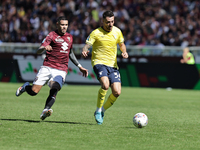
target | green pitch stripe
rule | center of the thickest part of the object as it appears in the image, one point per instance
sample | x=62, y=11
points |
x=133, y=76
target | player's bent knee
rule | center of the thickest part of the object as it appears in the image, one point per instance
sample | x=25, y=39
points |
x=55, y=85
x=105, y=87
x=116, y=93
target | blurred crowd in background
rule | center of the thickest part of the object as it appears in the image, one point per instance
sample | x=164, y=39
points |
x=143, y=22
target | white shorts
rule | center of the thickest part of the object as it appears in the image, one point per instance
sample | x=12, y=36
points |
x=47, y=74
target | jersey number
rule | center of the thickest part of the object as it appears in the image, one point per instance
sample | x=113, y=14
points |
x=117, y=75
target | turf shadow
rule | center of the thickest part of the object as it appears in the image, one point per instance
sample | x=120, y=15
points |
x=37, y=121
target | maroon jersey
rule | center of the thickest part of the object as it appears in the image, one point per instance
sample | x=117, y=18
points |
x=58, y=58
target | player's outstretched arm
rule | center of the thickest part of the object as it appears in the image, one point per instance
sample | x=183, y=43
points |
x=84, y=71
x=85, y=50
x=123, y=49
x=42, y=49
x=75, y=61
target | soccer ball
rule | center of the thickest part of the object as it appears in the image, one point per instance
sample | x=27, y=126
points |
x=140, y=120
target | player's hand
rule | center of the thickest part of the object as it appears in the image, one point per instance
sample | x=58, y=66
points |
x=85, y=53
x=84, y=71
x=125, y=55
x=182, y=61
x=48, y=48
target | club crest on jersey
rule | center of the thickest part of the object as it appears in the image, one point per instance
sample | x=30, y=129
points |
x=115, y=36
x=69, y=39
x=58, y=39
x=100, y=73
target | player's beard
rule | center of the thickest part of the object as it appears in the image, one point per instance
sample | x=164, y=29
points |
x=109, y=28
x=62, y=31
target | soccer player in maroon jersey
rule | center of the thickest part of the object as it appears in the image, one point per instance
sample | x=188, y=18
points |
x=58, y=47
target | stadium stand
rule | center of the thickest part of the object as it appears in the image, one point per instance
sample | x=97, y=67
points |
x=143, y=22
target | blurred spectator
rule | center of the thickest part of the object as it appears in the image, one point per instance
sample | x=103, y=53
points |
x=92, y=4
x=172, y=23
x=188, y=57
x=35, y=21
x=21, y=12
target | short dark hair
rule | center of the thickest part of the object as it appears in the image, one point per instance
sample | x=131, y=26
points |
x=108, y=14
x=61, y=18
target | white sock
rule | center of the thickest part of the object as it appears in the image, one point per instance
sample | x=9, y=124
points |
x=98, y=109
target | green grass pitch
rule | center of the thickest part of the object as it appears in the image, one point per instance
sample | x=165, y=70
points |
x=174, y=120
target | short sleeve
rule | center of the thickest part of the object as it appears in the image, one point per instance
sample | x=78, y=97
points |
x=47, y=40
x=91, y=39
x=121, y=37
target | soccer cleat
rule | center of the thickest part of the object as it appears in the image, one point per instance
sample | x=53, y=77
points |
x=102, y=114
x=46, y=113
x=98, y=117
x=21, y=89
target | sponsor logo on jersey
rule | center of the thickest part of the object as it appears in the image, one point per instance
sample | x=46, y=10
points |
x=64, y=47
x=58, y=39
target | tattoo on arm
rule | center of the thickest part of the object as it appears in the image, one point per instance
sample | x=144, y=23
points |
x=86, y=47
